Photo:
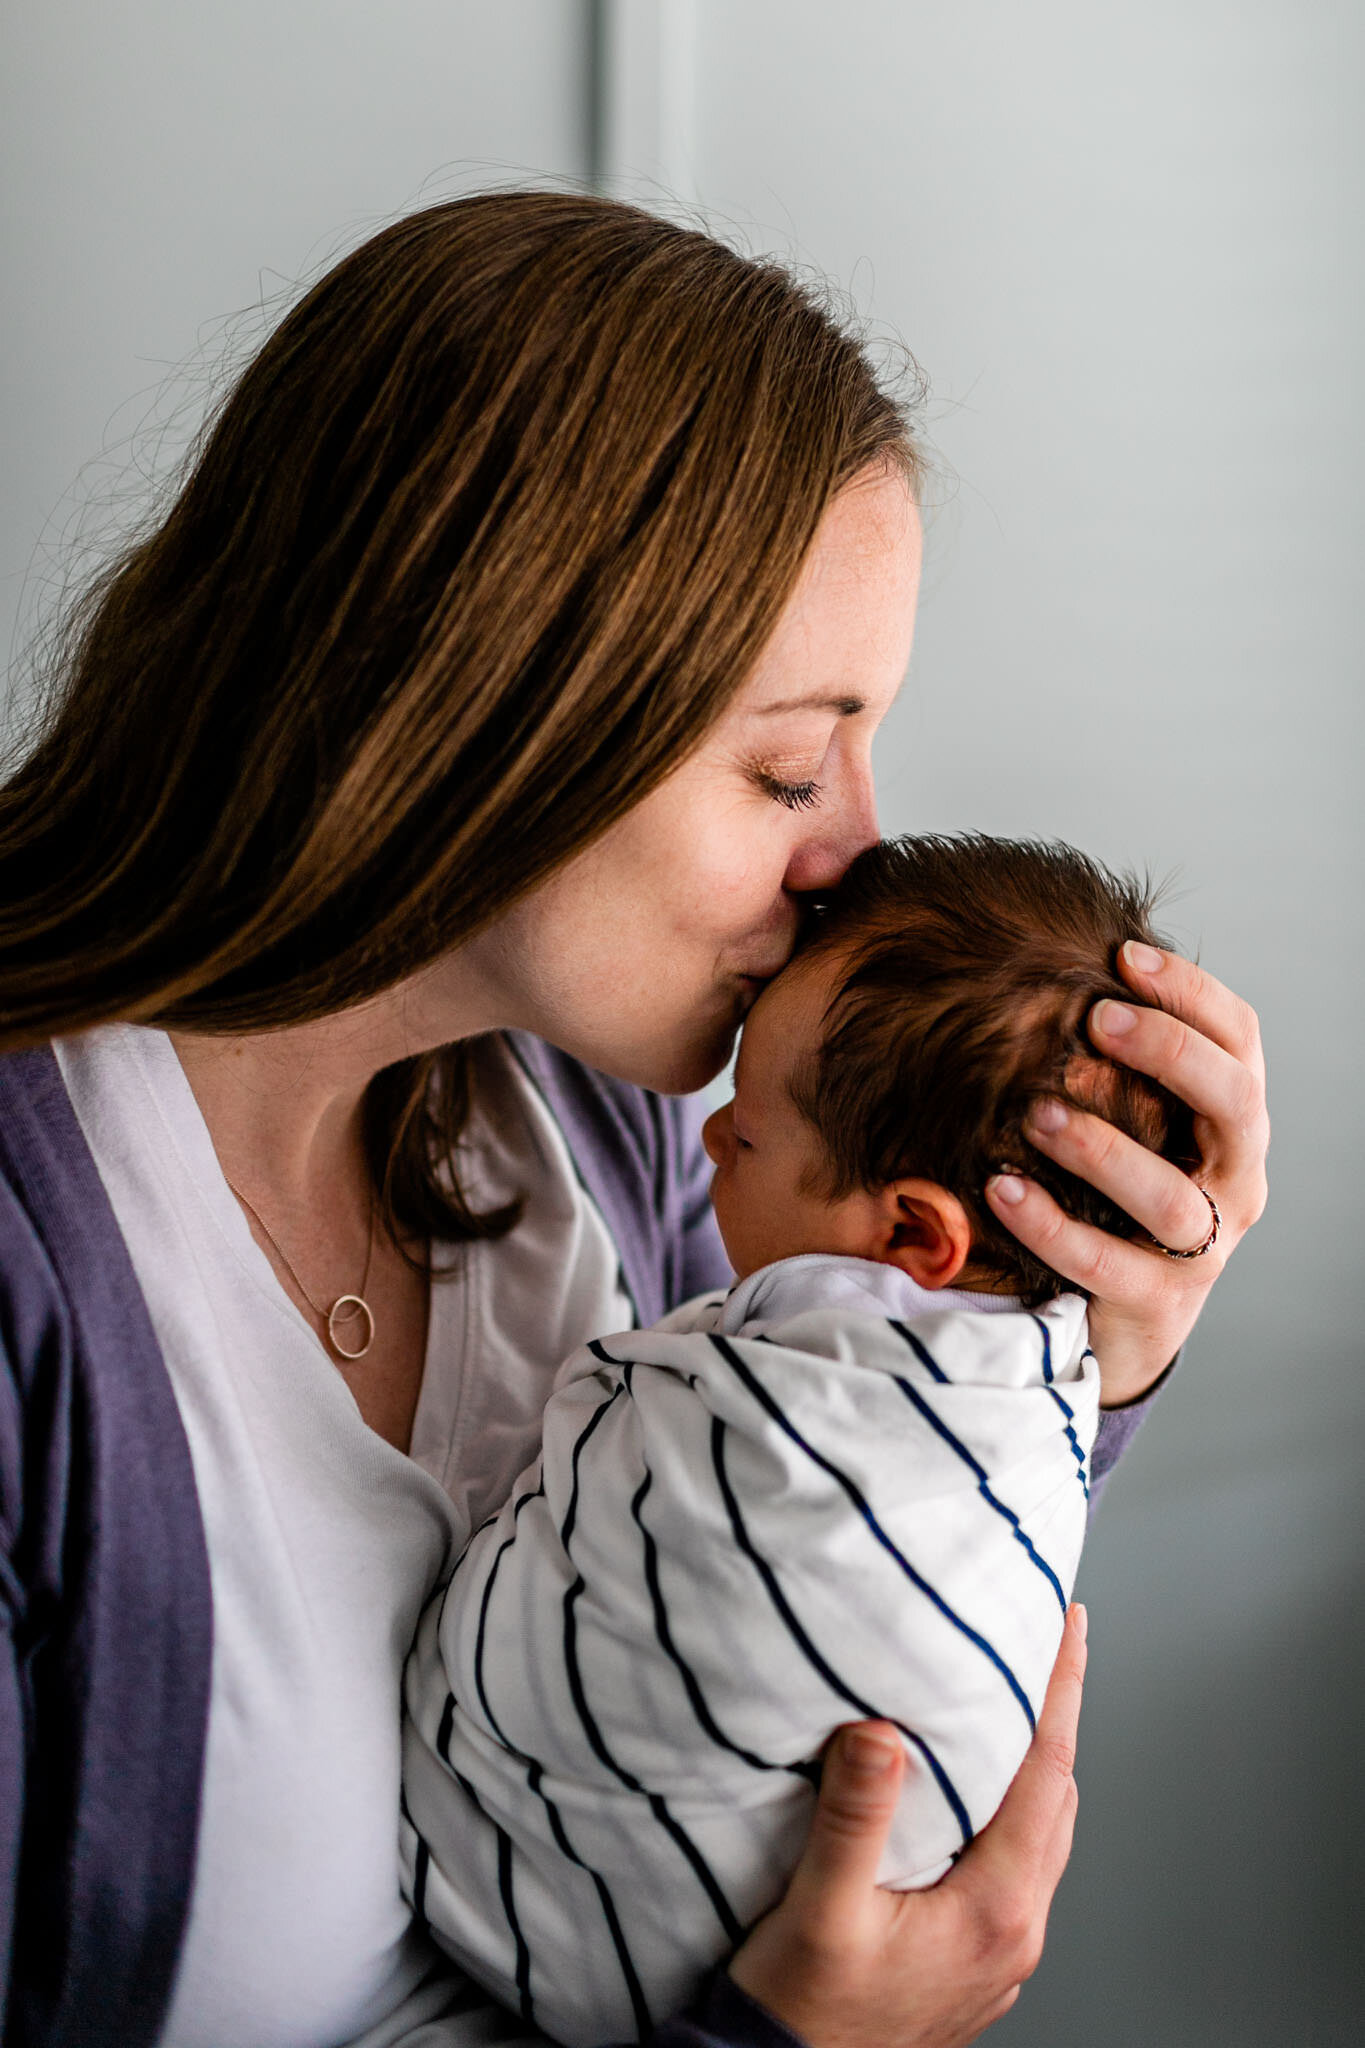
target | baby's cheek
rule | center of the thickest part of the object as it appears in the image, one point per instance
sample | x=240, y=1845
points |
x=739, y=1212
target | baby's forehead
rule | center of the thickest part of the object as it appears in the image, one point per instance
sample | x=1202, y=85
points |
x=788, y=1019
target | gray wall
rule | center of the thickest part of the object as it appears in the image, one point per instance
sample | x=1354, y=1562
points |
x=1119, y=239
x=168, y=173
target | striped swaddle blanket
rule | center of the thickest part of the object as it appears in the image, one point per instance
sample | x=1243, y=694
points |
x=826, y=1496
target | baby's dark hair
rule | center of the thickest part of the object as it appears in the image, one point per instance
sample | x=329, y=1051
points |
x=969, y=966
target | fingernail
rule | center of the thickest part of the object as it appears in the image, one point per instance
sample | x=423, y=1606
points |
x=1145, y=959
x=1007, y=1188
x=1113, y=1018
x=1047, y=1114
x=867, y=1753
x=1082, y=1619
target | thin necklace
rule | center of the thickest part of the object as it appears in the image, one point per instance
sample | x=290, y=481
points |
x=347, y=1307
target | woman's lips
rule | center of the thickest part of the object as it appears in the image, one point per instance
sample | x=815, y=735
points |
x=752, y=986
x=754, y=980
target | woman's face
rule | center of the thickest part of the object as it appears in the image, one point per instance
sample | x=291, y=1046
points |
x=643, y=955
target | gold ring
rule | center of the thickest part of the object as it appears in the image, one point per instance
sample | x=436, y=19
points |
x=1209, y=1242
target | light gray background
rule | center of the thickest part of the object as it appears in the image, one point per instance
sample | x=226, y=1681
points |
x=1122, y=240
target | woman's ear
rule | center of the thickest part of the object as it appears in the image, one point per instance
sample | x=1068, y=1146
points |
x=924, y=1230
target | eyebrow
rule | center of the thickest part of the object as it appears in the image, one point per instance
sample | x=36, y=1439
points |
x=847, y=707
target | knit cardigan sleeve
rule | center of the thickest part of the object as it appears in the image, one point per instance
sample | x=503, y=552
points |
x=105, y=1606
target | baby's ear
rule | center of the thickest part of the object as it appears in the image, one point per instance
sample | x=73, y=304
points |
x=924, y=1230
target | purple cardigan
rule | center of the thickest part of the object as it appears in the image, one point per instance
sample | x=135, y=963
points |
x=104, y=1583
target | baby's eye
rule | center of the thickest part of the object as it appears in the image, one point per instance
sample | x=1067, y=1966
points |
x=797, y=796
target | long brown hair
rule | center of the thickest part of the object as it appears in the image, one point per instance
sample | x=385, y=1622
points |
x=476, y=549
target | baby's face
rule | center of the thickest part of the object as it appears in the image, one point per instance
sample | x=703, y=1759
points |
x=767, y=1156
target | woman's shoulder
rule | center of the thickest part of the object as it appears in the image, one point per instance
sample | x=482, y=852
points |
x=106, y=1565
x=48, y=1184
x=81, y=1358
x=93, y=1433
x=58, y=1237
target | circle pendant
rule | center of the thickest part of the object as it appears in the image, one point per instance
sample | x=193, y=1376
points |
x=345, y=1309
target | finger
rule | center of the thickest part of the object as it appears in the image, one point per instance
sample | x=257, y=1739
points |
x=1107, y=1267
x=1146, y=1187
x=1187, y=992
x=1023, y=1851
x=1214, y=1083
x=859, y=1787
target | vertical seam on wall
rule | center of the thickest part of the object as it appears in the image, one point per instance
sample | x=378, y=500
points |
x=640, y=110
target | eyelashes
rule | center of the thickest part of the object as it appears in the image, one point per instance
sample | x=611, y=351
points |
x=797, y=796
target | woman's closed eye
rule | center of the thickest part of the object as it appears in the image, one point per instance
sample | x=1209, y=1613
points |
x=797, y=796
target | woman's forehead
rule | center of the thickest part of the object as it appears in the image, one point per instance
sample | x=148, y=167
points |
x=843, y=636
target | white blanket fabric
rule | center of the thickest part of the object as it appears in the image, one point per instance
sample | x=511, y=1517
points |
x=826, y=1496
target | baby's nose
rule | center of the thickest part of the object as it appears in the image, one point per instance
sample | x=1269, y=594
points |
x=713, y=1134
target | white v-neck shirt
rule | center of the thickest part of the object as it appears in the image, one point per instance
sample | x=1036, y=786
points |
x=324, y=1541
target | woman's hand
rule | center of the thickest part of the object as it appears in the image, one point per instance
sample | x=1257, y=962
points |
x=1204, y=1044
x=846, y=1965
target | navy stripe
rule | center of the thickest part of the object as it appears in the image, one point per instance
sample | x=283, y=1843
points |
x=644, y=2025
x=701, y=1869
x=937, y=1423
x=664, y=1632
x=443, y=1732
x=523, y=1971
x=842, y=1480
x=535, y=1771
x=571, y=1513
x=803, y=1642
x=1068, y=1412
x=421, y=1865
x=627, y=1365
x=419, y=1887
x=536, y=1493
x=523, y=1954
x=631, y=1782
x=658, y=1806
x=922, y=1353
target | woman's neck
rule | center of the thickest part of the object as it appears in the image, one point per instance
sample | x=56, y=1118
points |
x=284, y=1107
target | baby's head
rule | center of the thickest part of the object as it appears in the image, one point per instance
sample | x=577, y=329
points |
x=889, y=1072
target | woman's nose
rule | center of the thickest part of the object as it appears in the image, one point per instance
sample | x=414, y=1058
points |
x=837, y=834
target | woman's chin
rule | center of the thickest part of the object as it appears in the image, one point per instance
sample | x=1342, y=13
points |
x=688, y=1070
x=689, y=1062
x=678, y=1058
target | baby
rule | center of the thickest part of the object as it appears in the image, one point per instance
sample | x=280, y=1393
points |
x=855, y=1486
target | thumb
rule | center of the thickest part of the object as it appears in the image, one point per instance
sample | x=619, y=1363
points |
x=859, y=1786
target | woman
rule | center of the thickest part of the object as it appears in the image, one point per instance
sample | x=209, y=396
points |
x=427, y=800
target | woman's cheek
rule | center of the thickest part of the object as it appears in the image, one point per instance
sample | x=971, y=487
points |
x=750, y=837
